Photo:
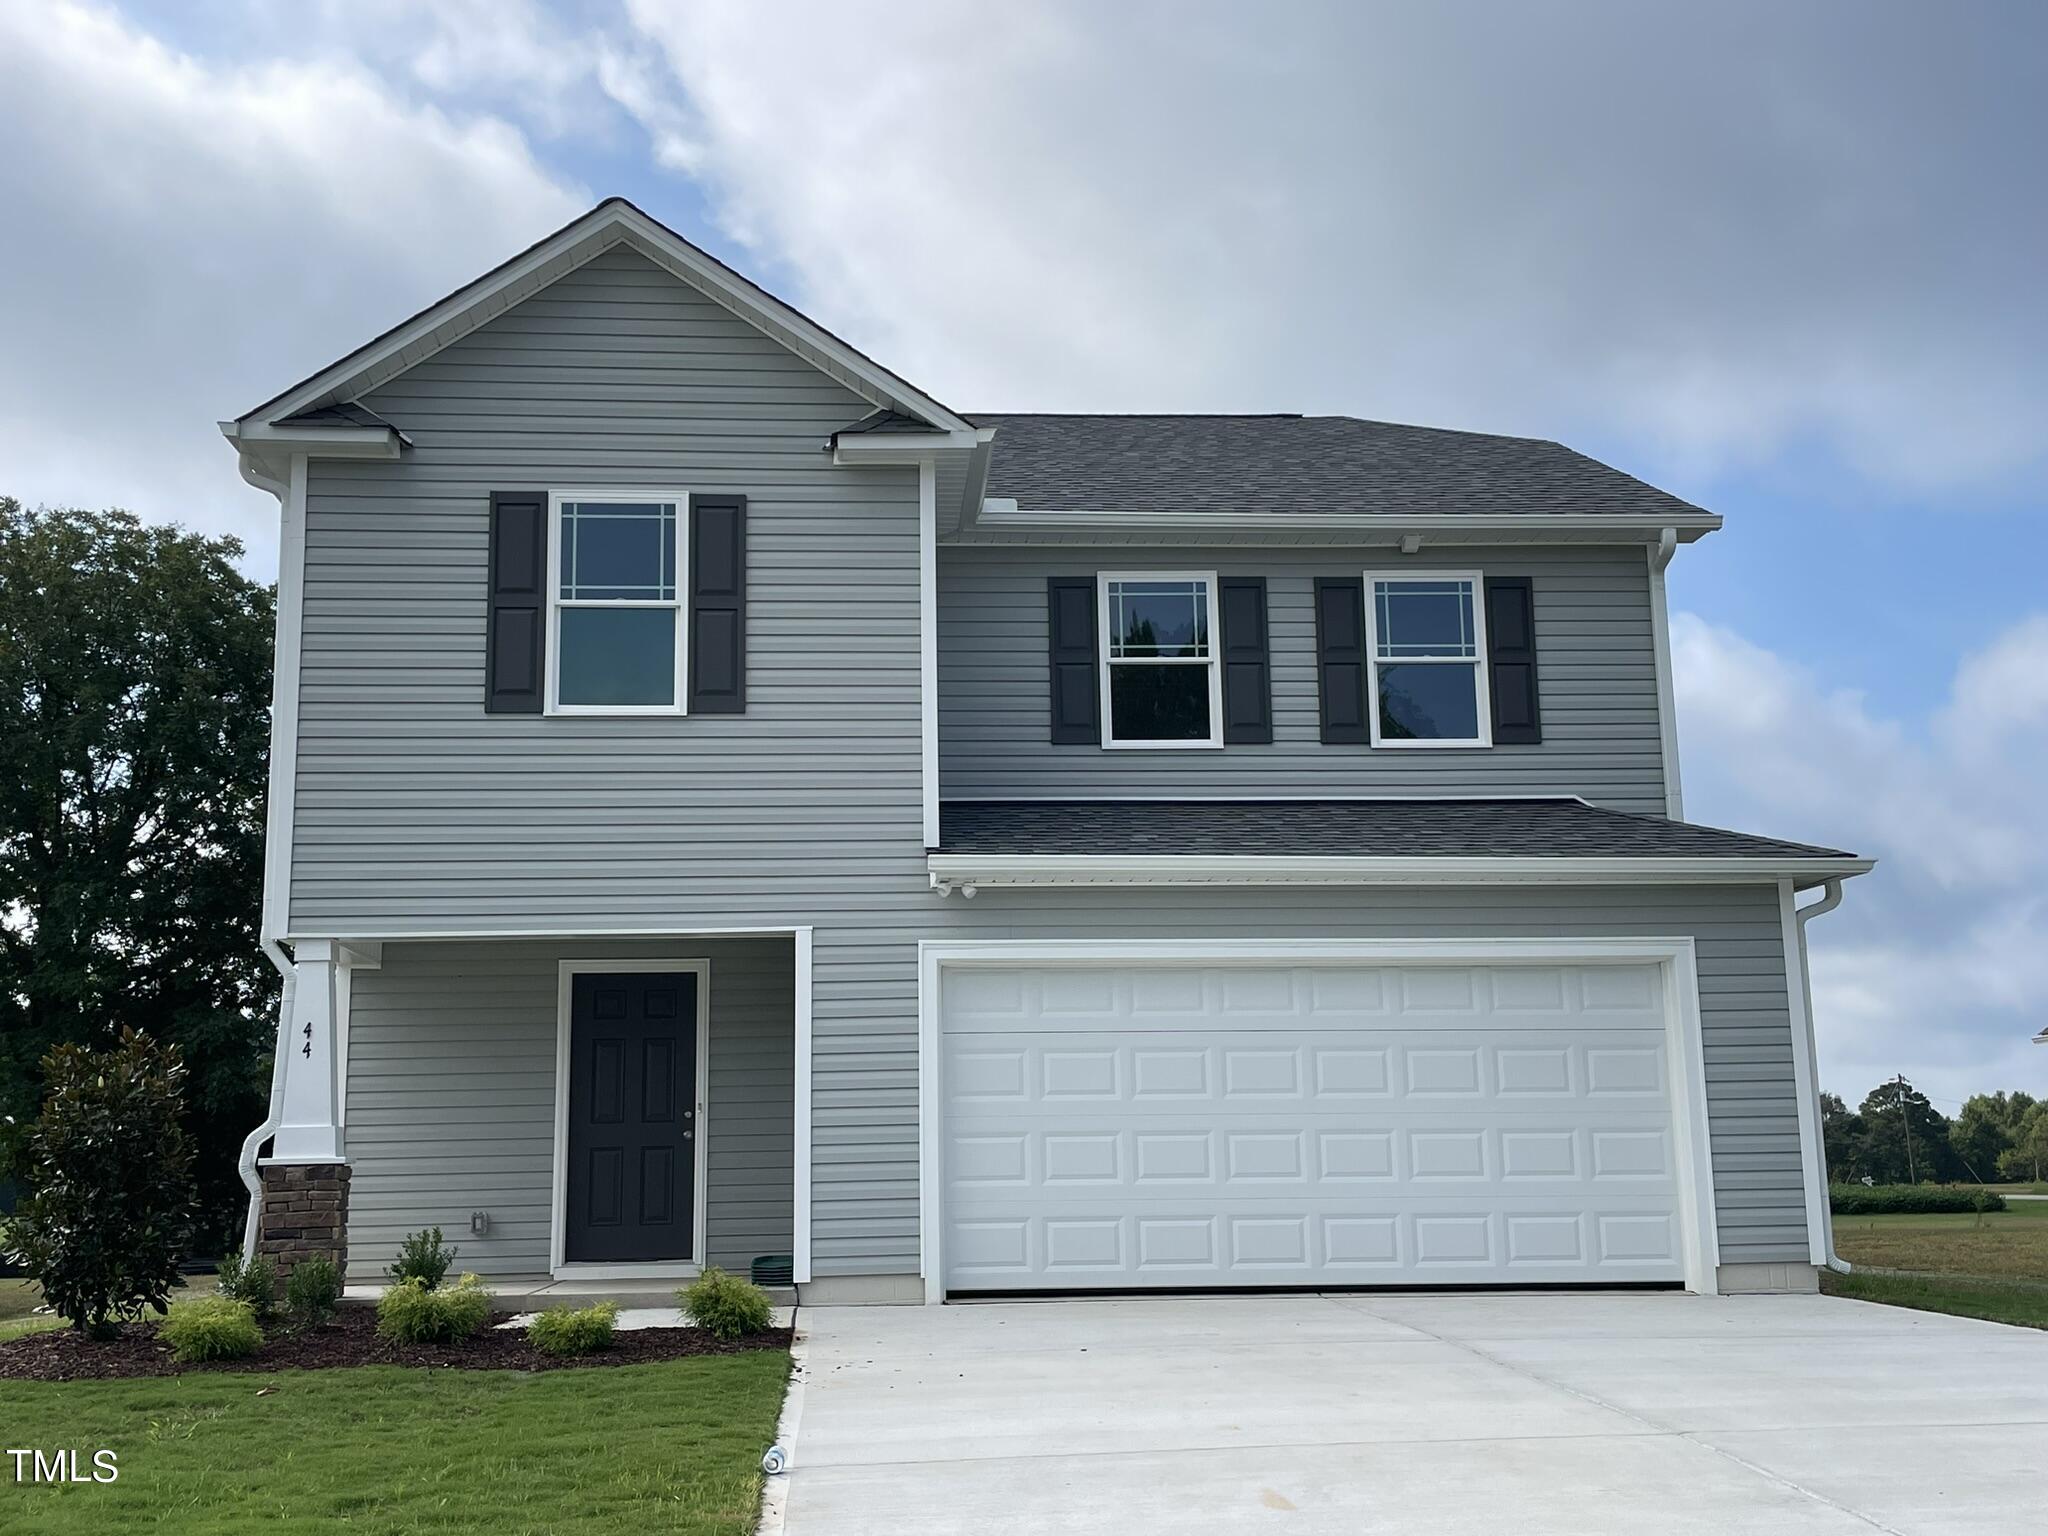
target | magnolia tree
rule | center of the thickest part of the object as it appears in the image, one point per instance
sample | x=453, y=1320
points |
x=108, y=1218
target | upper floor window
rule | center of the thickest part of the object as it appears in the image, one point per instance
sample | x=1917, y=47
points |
x=1426, y=640
x=615, y=634
x=1159, y=672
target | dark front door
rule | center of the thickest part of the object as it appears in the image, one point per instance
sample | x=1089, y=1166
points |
x=632, y=1118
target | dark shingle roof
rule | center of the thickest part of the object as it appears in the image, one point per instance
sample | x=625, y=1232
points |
x=1340, y=828
x=1210, y=465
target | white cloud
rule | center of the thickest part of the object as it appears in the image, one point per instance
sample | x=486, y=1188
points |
x=187, y=237
x=1572, y=219
x=1937, y=963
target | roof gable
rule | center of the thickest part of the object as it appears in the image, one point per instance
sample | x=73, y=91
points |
x=612, y=223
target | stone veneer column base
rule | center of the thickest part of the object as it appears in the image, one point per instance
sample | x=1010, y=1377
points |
x=305, y=1216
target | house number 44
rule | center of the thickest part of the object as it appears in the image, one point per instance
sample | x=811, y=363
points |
x=307, y=1049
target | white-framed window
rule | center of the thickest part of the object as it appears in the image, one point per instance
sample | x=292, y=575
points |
x=617, y=571
x=1425, y=638
x=1161, y=682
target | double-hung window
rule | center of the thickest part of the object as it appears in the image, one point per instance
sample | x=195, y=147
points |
x=1160, y=678
x=1426, y=640
x=616, y=634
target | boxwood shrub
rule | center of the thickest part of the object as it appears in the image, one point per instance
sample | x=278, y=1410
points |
x=725, y=1306
x=1911, y=1199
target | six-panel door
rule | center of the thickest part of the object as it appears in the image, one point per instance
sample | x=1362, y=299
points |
x=631, y=1182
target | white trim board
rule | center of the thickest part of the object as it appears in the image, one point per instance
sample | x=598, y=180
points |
x=1812, y=1156
x=996, y=513
x=558, y=1178
x=1686, y=1054
x=800, y=1109
x=948, y=870
x=284, y=704
x=928, y=643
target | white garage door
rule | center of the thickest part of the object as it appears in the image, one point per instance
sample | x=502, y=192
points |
x=1305, y=1125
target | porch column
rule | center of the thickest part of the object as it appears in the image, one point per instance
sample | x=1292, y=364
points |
x=305, y=1178
x=309, y=1129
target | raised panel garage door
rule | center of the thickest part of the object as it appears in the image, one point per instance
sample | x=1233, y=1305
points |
x=1341, y=1125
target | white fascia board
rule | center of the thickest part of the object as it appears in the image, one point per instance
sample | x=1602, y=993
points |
x=1001, y=512
x=949, y=870
x=898, y=447
x=571, y=246
x=316, y=442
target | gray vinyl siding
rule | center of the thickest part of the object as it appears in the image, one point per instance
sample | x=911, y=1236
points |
x=451, y=1095
x=864, y=1095
x=416, y=814
x=1753, y=1118
x=1596, y=664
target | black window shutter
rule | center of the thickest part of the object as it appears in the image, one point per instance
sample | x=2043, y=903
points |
x=1340, y=658
x=718, y=605
x=1070, y=627
x=1511, y=660
x=515, y=624
x=1247, y=687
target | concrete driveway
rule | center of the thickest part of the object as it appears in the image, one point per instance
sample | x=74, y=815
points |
x=1418, y=1415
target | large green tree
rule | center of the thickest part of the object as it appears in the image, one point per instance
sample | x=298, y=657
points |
x=135, y=721
x=1906, y=1137
x=2028, y=1156
x=1987, y=1128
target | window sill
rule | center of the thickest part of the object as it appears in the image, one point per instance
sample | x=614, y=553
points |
x=1162, y=746
x=1432, y=746
x=623, y=712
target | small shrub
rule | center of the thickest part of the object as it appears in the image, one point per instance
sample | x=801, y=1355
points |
x=108, y=1216
x=211, y=1328
x=725, y=1306
x=252, y=1281
x=422, y=1257
x=1911, y=1199
x=416, y=1315
x=559, y=1331
x=313, y=1293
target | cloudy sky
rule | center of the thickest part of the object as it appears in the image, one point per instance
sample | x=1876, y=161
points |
x=1784, y=260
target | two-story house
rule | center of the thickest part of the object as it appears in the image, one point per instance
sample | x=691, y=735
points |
x=728, y=806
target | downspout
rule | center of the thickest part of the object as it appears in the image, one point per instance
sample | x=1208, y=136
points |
x=1831, y=898
x=1667, y=701
x=268, y=924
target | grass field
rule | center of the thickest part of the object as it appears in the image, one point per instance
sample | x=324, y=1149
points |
x=20, y=1298
x=674, y=1447
x=1993, y=1266
x=2005, y=1245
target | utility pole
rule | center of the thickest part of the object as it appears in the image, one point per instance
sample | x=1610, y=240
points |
x=1906, y=1130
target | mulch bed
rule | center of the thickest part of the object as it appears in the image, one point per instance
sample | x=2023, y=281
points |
x=350, y=1339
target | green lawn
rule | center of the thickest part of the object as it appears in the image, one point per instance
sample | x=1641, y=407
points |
x=18, y=1298
x=2023, y=1305
x=671, y=1448
x=1994, y=1266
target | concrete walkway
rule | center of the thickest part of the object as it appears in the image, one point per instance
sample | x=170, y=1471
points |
x=1418, y=1415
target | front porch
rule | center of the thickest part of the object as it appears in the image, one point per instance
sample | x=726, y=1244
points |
x=581, y=1117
